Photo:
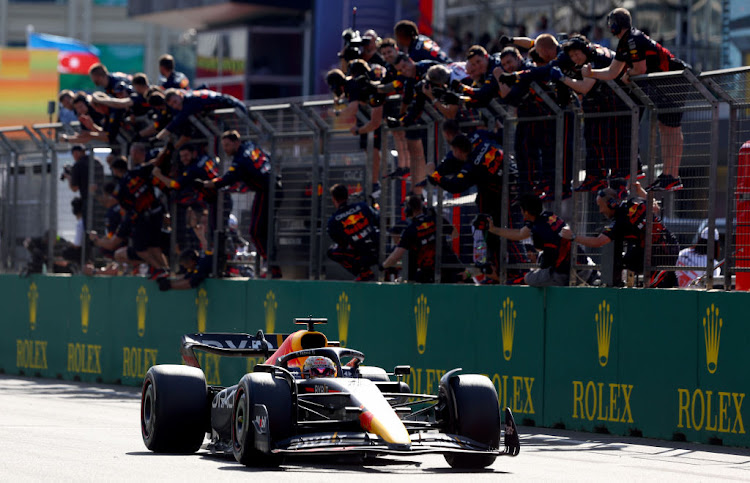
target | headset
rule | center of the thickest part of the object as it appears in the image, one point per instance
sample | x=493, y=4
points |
x=614, y=25
x=612, y=201
x=579, y=42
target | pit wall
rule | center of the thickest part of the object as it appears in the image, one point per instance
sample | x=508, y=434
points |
x=665, y=364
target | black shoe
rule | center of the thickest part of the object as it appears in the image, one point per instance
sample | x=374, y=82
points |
x=397, y=173
x=591, y=183
x=665, y=182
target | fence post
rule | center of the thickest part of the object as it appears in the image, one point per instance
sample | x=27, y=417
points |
x=651, y=164
x=321, y=154
x=634, y=127
x=579, y=157
x=559, y=143
x=731, y=208
x=219, y=211
x=49, y=144
x=510, y=124
x=385, y=192
x=12, y=187
x=440, y=239
x=315, y=197
x=712, y=171
x=268, y=129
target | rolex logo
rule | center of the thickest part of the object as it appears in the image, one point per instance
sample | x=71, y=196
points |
x=201, y=302
x=604, y=319
x=507, y=327
x=140, y=302
x=271, y=305
x=343, y=309
x=422, y=316
x=85, y=305
x=33, y=299
x=712, y=332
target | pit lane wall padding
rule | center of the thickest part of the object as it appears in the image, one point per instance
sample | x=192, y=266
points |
x=657, y=363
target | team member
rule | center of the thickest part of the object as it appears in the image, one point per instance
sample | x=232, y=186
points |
x=136, y=102
x=170, y=78
x=480, y=65
x=530, y=135
x=544, y=46
x=353, y=227
x=393, y=84
x=419, y=239
x=437, y=84
x=103, y=79
x=641, y=55
x=360, y=91
x=482, y=166
x=137, y=196
x=252, y=166
x=116, y=232
x=607, y=138
x=418, y=47
x=412, y=105
x=66, y=112
x=535, y=139
x=197, y=102
x=544, y=228
x=196, y=266
x=627, y=229
x=193, y=168
x=371, y=48
x=78, y=177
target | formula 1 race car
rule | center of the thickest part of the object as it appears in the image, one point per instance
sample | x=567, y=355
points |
x=312, y=396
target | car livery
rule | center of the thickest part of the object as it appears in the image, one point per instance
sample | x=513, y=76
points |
x=275, y=412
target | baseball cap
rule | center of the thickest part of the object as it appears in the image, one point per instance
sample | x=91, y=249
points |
x=704, y=234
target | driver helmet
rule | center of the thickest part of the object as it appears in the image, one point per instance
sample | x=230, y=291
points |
x=318, y=366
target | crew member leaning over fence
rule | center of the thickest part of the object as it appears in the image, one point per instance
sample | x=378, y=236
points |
x=480, y=66
x=627, y=229
x=483, y=167
x=642, y=55
x=532, y=139
x=135, y=193
x=353, y=227
x=189, y=104
x=251, y=166
x=607, y=138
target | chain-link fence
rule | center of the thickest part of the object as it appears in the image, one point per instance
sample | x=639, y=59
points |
x=660, y=129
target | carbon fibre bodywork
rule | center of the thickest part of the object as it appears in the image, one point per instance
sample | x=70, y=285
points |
x=362, y=410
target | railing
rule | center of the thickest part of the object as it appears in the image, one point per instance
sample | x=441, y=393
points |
x=312, y=149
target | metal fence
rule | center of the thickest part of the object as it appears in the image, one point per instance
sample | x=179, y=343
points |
x=313, y=149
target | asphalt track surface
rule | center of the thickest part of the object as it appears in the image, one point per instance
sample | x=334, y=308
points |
x=61, y=431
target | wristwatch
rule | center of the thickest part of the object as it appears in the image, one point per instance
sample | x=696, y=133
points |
x=574, y=237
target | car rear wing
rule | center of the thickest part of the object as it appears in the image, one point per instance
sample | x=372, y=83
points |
x=232, y=345
x=229, y=345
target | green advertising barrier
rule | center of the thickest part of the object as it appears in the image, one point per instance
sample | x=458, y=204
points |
x=658, y=363
x=715, y=409
x=615, y=360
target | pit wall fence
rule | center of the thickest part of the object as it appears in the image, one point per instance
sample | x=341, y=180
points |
x=665, y=364
x=312, y=149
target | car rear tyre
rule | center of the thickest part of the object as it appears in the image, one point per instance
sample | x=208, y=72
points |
x=472, y=411
x=276, y=395
x=174, y=409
